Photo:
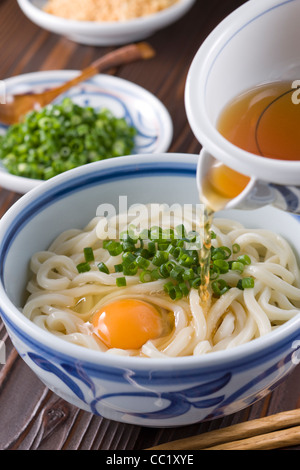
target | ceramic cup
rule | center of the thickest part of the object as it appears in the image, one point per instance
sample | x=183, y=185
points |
x=258, y=43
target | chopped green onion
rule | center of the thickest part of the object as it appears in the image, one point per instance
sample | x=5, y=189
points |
x=245, y=259
x=118, y=268
x=146, y=276
x=221, y=265
x=236, y=248
x=151, y=248
x=130, y=235
x=237, y=266
x=214, y=274
x=142, y=262
x=188, y=274
x=144, y=235
x=114, y=248
x=128, y=258
x=226, y=250
x=103, y=268
x=177, y=272
x=194, y=254
x=156, y=254
x=155, y=233
x=63, y=136
x=83, y=267
x=160, y=258
x=219, y=287
x=105, y=244
x=177, y=252
x=166, y=268
x=191, y=237
x=168, y=234
x=169, y=285
x=130, y=269
x=155, y=274
x=180, y=231
x=218, y=253
x=246, y=283
x=184, y=288
x=178, y=294
x=196, y=283
x=128, y=246
x=186, y=260
x=175, y=293
x=171, y=248
x=88, y=254
x=121, y=281
x=163, y=246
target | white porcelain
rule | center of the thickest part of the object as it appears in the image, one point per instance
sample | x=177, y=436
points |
x=257, y=43
x=141, y=391
x=125, y=99
x=104, y=33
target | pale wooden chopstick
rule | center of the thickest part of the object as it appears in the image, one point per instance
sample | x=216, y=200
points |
x=274, y=440
x=282, y=429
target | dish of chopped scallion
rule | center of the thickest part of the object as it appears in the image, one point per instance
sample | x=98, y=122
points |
x=63, y=136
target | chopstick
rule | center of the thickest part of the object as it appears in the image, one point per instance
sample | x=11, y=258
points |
x=274, y=440
x=271, y=432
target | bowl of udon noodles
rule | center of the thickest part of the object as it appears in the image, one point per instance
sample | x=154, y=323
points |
x=102, y=293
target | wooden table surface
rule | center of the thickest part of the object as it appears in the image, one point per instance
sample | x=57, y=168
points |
x=31, y=416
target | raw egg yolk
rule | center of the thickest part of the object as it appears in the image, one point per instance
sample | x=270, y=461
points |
x=127, y=324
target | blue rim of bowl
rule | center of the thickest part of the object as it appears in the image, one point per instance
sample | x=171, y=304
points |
x=76, y=180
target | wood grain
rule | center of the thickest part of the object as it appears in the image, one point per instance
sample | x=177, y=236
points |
x=31, y=416
x=22, y=103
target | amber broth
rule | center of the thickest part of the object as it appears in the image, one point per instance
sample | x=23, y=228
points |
x=264, y=121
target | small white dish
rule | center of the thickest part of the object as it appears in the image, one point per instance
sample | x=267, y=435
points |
x=104, y=33
x=123, y=98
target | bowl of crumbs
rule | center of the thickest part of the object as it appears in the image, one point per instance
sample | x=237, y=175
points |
x=103, y=22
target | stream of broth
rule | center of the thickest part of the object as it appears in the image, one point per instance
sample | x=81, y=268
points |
x=204, y=258
x=264, y=121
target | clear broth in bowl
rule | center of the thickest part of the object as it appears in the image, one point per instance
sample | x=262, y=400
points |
x=264, y=121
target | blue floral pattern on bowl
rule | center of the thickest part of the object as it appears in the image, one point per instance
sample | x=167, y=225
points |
x=134, y=397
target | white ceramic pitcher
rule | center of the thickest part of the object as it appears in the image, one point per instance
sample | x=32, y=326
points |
x=258, y=43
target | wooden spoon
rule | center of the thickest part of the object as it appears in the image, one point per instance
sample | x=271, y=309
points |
x=18, y=105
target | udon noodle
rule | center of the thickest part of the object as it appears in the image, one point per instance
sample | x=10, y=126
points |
x=62, y=301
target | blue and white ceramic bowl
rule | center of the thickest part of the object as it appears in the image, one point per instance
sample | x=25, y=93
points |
x=146, y=392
